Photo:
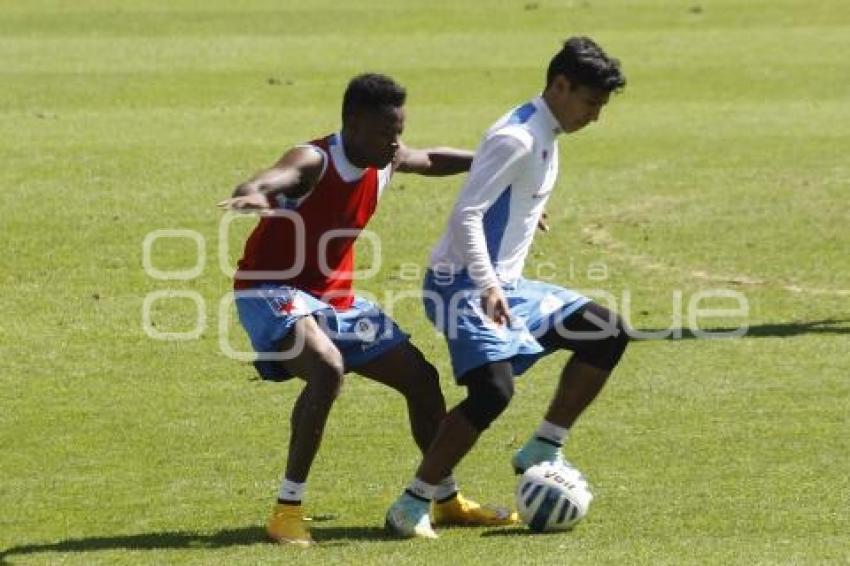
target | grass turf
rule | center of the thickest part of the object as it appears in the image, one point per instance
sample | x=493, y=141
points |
x=722, y=166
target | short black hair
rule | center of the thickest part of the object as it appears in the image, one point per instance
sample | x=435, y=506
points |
x=583, y=62
x=372, y=91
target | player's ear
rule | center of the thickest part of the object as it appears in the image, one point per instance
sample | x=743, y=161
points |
x=559, y=86
x=562, y=84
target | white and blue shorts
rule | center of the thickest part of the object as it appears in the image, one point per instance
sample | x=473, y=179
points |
x=453, y=304
x=269, y=312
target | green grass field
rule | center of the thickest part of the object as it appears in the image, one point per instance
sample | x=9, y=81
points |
x=723, y=166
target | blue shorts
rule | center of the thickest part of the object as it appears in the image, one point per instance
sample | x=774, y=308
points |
x=269, y=312
x=453, y=304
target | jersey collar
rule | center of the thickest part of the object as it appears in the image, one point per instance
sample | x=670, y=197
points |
x=546, y=115
x=347, y=170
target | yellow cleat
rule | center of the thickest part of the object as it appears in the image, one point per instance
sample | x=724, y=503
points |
x=286, y=526
x=462, y=511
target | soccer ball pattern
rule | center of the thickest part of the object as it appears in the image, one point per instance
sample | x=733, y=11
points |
x=552, y=497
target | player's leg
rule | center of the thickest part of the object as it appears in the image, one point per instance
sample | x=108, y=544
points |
x=598, y=338
x=406, y=370
x=318, y=362
x=490, y=389
x=320, y=365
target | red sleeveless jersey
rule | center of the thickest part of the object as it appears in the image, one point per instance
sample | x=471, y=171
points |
x=332, y=215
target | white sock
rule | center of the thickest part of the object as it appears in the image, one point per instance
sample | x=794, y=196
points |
x=446, y=489
x=552, y=432
x=291, y=491
x=420, y=489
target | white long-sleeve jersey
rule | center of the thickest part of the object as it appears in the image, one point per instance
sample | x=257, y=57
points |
x=495, y=217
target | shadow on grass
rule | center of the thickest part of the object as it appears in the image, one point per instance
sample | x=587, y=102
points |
x=337, y=535
x=519, y=532
x=784, y=330
x=147, y=541
x=243, y=536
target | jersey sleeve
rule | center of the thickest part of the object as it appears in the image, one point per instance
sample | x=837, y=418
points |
x=497, y=164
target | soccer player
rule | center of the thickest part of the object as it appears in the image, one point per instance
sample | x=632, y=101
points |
x=294, y=288
x=496, y=323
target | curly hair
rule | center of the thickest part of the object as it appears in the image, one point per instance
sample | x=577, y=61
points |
x=371, y=91
x=583, y=62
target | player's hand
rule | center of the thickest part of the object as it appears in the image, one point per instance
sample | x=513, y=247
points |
x=542, y=225
x=253, y=202
x=495, y=305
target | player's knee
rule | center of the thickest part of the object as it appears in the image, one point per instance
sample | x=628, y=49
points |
x=621, y=341
x=425, y=390
x=327, y=377
x=421, y=378
x=605, y=352
x=427, y=381
x=490, y=390
x=616, y=343
x=426, y=378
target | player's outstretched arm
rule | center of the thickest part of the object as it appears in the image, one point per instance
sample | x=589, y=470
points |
x=436, y=161
x=294, y=174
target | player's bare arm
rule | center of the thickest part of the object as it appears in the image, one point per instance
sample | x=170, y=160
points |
x=434, y=162
x=293, y=175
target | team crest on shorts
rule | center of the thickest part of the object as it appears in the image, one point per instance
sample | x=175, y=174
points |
x=366, y=330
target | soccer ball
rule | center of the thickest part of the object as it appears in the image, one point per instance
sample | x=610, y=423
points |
x=552, y=497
